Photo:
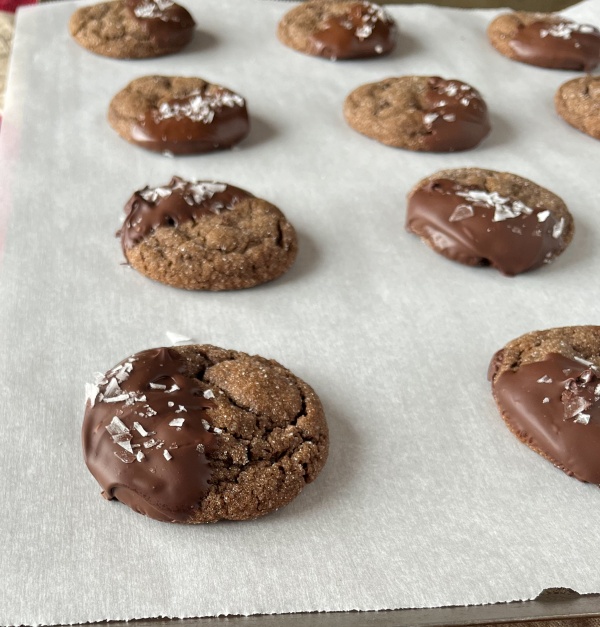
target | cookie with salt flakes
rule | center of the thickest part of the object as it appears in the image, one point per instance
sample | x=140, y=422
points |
x=547, y=388
x=179, y=115
x=198, y=434
x=485, y=218
x=422, y=113
x=338, y=30
x=546, y=40
x=132, y=29
x=206, y=235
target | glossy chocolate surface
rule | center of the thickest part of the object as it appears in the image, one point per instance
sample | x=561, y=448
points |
x=554, y=407
x=364, y=30
x=166, y=23
x=146, y=435
x=563, y=45
x=206, y=120
x=478, y=228
x=455, y=115
x=170, y=205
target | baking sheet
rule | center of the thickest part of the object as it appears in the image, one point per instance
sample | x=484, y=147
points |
x=427, y=500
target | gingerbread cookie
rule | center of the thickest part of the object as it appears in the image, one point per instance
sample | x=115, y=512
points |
x=578, y=103
x=486, y=218
x=132, y=29
x=547, y=387
x=424, y=113
x=179, y=115
x=204, y=235
x=546, y=40
x=338, y=30
x=197, y=434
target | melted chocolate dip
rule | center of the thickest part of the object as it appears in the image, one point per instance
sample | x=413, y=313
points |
x=146, y=435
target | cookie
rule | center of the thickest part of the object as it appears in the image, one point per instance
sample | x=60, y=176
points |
x=546, y=40
x=132, y=29
x=179, y=115
x=197, y=434
x=203, y=235
x=578, y=103
x=547, y=387
x=424, y=113
x=486, y=218
x=338, y=30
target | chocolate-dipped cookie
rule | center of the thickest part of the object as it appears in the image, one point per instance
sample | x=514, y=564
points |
x=485, y=218
x=203, y=235
x=547, y=387
x=197, y=434
x=132, y=29
x=423, y=113
x=546, y=40
x=578, y=103
x=338, y=30
x=179, y=115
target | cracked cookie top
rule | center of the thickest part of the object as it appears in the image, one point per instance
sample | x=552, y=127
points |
x=197, y=434
x=205, y=235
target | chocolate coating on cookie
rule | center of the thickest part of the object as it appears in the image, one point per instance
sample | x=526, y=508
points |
x=546, y=40
x=423, y=113
x=133, y=29
x=338, y=30
x=205, y=235
x=481, y=217
x=547, y=387
x=173, y=204
x=179, y=115
x=578, y=102
x=198, y=434
x=146, y=435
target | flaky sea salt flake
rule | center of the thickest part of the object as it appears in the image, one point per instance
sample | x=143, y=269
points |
x=542, y=216
x=173, y=388
x=91, y=393
x=117, y=427
x=177, y=338
x=177, y=422
x=557, y=229
x=546, y=400
x=582, y=418
x=544, y=379
x=208, y=394
x=461, y=213
x=140, y=456
x=138, y=427
x=167, y=455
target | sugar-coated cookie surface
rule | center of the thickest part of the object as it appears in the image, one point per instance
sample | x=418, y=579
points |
x=197, y=434
x=179, y=115
x=546, y=40
x=349, y=29
x=578, y=102
x=205, y=235
x=423, y=113
x=486, y=218
x=547, y=387
x=132, y=29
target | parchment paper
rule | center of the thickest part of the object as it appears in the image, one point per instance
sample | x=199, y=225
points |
x=427, y=499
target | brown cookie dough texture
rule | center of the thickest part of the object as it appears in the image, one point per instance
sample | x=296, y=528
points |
x=546, y=40
x=338, y=30
x=423, y=113
x=486, y=218
x=197, y=434
x=578, y=103
x=179, y=115
x=132, y=29
x=204, y=235
x=547, y=387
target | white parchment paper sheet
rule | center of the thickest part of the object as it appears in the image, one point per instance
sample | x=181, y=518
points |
x=427, y=499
